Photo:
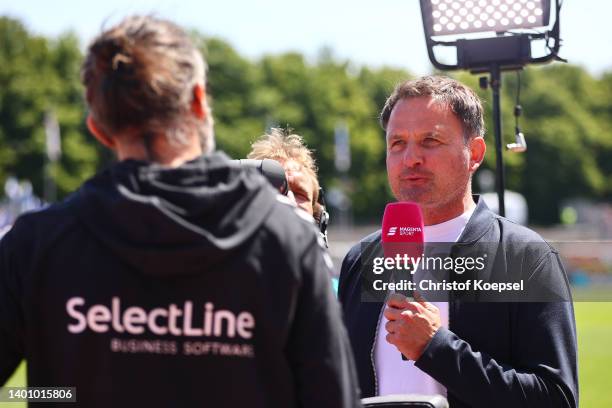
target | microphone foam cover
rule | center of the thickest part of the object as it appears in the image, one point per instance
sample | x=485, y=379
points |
x=402, y=229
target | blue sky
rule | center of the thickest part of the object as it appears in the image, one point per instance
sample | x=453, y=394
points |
x=374, y=33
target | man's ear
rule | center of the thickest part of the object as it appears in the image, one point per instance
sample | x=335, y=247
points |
x=198, y=103
x=478, y=147
x=99, y=134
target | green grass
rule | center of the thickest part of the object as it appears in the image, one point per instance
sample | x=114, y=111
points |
x=17, y=380
x=594, y=322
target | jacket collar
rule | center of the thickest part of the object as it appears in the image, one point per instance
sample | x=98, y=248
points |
x=480, y=222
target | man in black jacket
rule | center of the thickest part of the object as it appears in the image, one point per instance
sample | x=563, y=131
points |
x=172, y=278
x=479, y=350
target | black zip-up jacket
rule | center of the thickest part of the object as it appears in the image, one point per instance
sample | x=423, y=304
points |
x=159, y=287
x=494, y=354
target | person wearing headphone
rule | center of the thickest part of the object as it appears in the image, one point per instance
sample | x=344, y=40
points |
x=298, y=162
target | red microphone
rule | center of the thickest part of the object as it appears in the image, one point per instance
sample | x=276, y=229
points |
x=402, y=249
x=402, y=235
x=402, y=230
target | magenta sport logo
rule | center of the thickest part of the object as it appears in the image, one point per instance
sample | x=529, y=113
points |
x=403, y=231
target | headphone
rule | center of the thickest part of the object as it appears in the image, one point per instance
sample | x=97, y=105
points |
x=321, y=215
x=275, y=174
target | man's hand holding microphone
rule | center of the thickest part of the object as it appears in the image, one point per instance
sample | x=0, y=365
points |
x=411, y=325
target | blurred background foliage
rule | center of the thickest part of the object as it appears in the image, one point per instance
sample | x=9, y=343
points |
x=567, y=118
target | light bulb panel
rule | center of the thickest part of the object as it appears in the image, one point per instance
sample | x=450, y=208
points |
x=451, y=17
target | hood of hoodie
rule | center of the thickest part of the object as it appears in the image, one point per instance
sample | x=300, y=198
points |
x=168, y=221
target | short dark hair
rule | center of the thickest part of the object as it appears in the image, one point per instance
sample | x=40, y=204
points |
x=462, y=100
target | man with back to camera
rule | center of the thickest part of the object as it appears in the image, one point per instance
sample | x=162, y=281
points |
x=299, y=164
x=478, y=354
x=172, y=278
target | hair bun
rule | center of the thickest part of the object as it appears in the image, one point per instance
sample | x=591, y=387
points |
x=121, y=62
x=140, y=75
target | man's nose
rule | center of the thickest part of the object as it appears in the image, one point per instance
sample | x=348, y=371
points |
x=413, y=156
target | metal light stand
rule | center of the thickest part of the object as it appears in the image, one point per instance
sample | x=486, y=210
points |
x=500, y=179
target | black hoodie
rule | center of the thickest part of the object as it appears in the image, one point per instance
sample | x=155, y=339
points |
x=188, y=286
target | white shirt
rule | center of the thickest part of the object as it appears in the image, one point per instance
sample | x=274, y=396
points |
x=397, y=376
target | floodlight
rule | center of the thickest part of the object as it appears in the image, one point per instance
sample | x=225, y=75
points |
x=486, y=32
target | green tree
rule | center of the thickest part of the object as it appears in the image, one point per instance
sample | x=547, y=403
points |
x=37, y=76
x=232, y=87
x=567, y=124
x=567, y=118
